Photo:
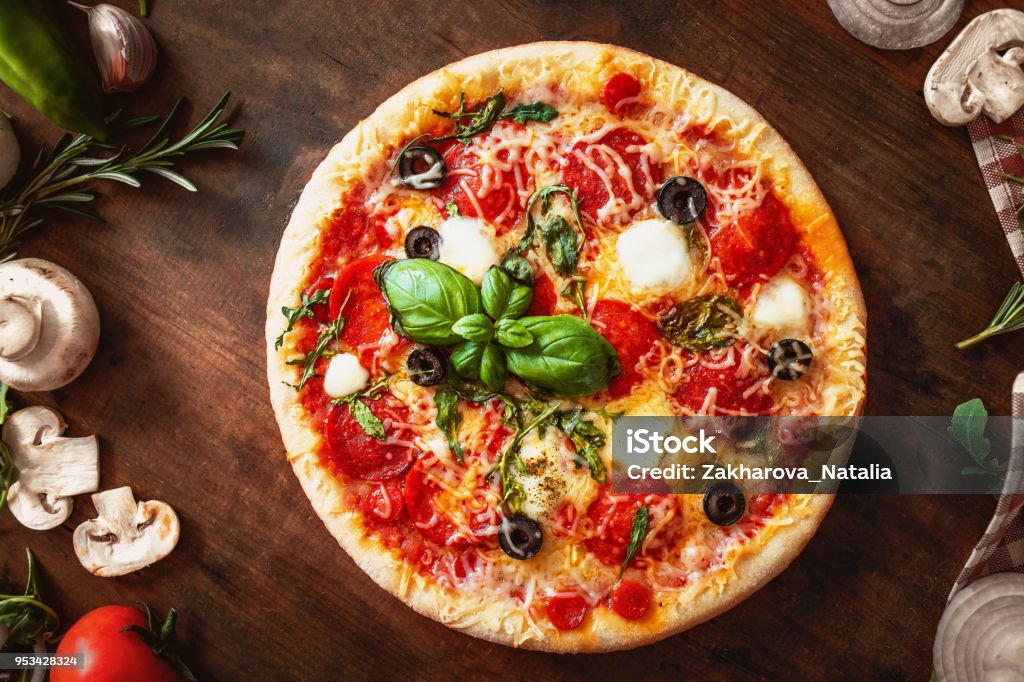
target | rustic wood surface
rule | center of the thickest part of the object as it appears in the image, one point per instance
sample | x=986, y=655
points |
x=178, y=393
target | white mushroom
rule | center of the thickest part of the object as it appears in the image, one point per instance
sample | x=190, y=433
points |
x=51, y=468
x=49, y=325
x=126, y=536
x=979, y=71
x=10, y=152
x=897, y=24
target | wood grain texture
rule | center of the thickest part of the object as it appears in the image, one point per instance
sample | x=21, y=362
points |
x=178, y=394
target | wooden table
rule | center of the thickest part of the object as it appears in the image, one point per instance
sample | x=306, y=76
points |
x=178, y=393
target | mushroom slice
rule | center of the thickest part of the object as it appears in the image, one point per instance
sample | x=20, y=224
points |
x=127, y=535
x=979, y=71
x=49, y=325
x=51, y=468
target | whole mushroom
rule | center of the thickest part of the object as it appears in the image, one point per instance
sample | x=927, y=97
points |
x=49, y=325
x=10, y=152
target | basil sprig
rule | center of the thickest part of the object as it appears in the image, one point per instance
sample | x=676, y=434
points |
x=426, y=298
x=566, y=357
x=561, y=242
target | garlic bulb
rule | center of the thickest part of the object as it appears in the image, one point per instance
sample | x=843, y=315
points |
x=10, y=152
x=124, y=48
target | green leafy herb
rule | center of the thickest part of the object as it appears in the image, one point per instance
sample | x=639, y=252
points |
x=319, y=351
x=62, y=180
x=518, y=301
x=470, y=123
x=372, y=426
x=560, y=243
x=449, y=419
x=587, y=438
x=493, y=367
x=518, y=268
x=567, y=357
x=426, y=298
x=512, y=334
x=143, y=9
x=536, y=111
x=637, y=533
x=545, y=195
x=576, y=292
x=466, y=359
x=293, y=315
x=495, y=291
x=452, y=209
x=162, y=641
x=967, y=427
x=510, y=464
x=476, y=327
x=25, y=615
x=1009, y=317
x=401, y=152
x=702, y=323
x=5, y=404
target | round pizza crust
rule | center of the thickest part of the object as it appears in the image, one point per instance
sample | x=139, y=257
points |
x=583, y=67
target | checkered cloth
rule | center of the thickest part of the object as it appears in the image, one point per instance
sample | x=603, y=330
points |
x=996, y=155
x=1002, y=546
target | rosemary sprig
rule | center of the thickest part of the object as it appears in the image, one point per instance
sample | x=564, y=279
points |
x=63, y=179
x=1009, y=317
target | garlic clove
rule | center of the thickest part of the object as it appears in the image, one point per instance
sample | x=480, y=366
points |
x=124, y=48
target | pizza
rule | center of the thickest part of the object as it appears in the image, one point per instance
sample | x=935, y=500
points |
x=500, y=258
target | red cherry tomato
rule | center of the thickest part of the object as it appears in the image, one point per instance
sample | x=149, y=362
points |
x=631, y=600
x=358, y=454
x=544, y=297
x=384, y=502
x=110, y=654
x=631, y=334
x=613, y=520
x=617, y=88
x=366, y=315
x=756, y=246
x=591, y=190
x=566, y=611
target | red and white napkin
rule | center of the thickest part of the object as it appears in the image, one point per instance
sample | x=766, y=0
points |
x=996, y=155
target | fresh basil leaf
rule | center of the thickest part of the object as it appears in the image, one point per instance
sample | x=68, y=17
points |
x=637, y=533
x=475, y=327
x=967, y=427
x=518, y=268
x=567, y=357
x=293, y=315
x=452, y=209
x=535, y=111
x=518, y=301
x=512, y=333
x=702, y=323
x=466, y=359
x=560, y=243
x=449, y=419
x=319, y=350
x=575, y=291
x=470, y=123
x=492, y=367
x=369, y=422
x=494, y=291
x=425, y=298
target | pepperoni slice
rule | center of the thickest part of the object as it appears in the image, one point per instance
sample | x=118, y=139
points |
x=420, y=494
x=631, y=600
x=617, y=88
x=631, y=334
x=591, y=190
x=500, y=203
x=359, y=454
x=366, y=315
x=544, y=297
x=692, y=392
x=384, y=502
x=321, y=311
x=612, y=516
x=566, y=611
x=350, y=230
x=757, y=245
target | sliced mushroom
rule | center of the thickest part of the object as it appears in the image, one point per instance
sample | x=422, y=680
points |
x=897, y=24
x=979, y=71
x=127, y=535
x=51, y=468
x=49, y=325
x=10, y=152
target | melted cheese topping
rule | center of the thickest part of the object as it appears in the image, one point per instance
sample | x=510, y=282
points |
x=784, y=307
x=468, y=245
x=553, y=475
x=344, y=376
x=654, y=255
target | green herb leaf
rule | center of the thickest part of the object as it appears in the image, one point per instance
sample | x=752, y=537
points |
x=452, y=209
x=319, y=351
x=637, y=533
x=476, y=327
x=512, y=333
x=472, y=122
x=518, y=301
x=466, y=359
x=401, y=152
x=1009, y=317
x=544, y=195
x=586, y=437
x=535, y=111
x=449, y=419
x=511, y=464
x=492, y=367
x=366, y=419
x=518, y=268
x=5, y=405
x=495, y=291
x=575, y=291
x=25, y=615
x=702, y=323
x=560, y=243
x=426, y=298
x=567, y=356
x=967, y=427
x=304, y=309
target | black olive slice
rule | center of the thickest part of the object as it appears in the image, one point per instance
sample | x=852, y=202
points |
x=427, y=366
x=724, y=504
x=682, y=199
x=421, y=168
x=789, y=359
x=423, y=242
x=520, y=536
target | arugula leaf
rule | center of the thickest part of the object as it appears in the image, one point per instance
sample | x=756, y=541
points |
x=25, y=615
x=319, y=351
x=577, y=293
x=470, y=123
x=449, y=419
x=637, y=533
x=536, y=111
x=702, y=323
x=967, y=427
x=544, y=195
x=587, y=438
x=560, y=243
x=452, y=209
x=293, y=315
x=372, y=425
